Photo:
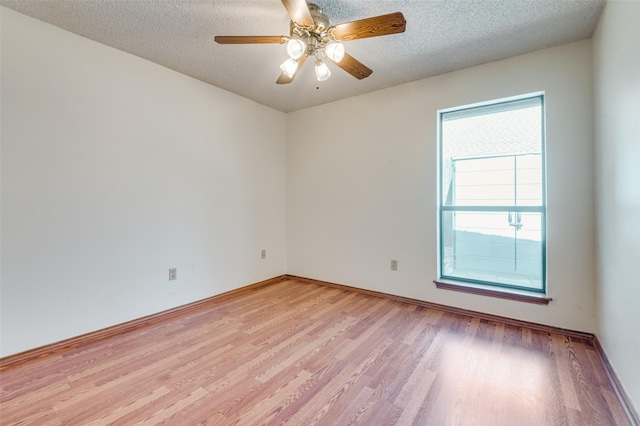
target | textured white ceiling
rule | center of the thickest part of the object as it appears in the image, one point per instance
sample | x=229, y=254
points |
x=441, y=36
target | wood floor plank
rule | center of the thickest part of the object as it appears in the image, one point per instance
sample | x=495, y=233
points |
x=414, y=393
x=120, y=412
x=306, y=394
x=359, y=408
x=341, y=397
x=322, y=396
x=275, y=399
x=563, y=366
x=165, y=414
x=390, y=380
x=302, y=353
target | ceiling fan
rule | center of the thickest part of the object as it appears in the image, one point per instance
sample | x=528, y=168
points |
x=311, y=34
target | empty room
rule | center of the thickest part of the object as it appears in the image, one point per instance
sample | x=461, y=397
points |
x=332, y=212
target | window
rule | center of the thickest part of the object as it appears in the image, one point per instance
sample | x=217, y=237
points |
x=492, y=194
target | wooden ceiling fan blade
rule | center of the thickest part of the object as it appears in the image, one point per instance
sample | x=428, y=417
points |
x=392, y=23
x=353, y=66
x=299, y=12
x=285, y=79
x=251, y=39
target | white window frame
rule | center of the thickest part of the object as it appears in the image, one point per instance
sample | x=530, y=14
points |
x=542, y=209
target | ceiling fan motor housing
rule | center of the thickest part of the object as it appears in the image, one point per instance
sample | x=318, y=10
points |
x=315, y=36
x=320, y=20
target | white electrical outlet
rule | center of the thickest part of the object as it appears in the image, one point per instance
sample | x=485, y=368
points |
x=173, y=274
x=263, y=254
x=394, y=265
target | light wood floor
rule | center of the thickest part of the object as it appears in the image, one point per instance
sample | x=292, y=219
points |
x=307, y=354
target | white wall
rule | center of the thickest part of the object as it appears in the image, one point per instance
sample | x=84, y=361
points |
x=114, y=170
x=363, y=190
x=617, y=140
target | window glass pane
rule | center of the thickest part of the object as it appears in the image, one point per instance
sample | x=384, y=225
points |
x=496, y=181
x=496, y=247
x=528, y=180
x=492, y=134
x=489, y=133
x=484, y=182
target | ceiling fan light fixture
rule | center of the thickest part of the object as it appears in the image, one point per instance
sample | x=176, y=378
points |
x=296, y=48
x=322, y=70
x=334, y=51
x=289, y=67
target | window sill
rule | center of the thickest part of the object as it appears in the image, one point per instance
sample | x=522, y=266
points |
x=517, y=295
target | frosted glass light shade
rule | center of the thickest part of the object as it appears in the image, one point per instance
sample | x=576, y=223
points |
x=335, y=51
x=289, y=67
x=322, y=71
x=295, y=48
